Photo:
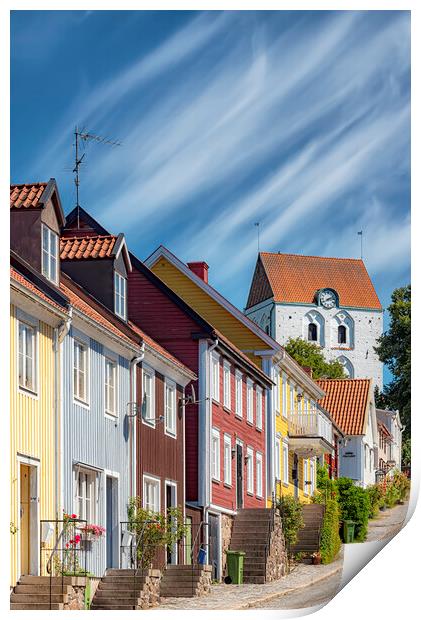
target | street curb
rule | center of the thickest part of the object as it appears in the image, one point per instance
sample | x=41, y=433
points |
x=269, y=597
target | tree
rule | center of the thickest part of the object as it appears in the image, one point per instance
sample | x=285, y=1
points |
x=394, y=350
x=311, y=355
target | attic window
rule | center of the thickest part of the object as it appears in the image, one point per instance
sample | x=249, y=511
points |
x=312, y=332
x=49, y=253
x=120, y=295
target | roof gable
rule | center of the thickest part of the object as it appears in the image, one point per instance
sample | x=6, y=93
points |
x=35, y=196
x=80, y=224
x=294, y=278
x=347, y=400
x=260, y=288
x=94, y=247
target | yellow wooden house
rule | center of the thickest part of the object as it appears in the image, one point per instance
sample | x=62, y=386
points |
x=297, y=431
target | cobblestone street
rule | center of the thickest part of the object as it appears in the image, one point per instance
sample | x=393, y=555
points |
x=304, y=576
x=387, y=523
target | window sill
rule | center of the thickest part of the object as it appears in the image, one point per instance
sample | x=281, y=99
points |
x=215, y=400
x=81, y=403
x=216, y=481
x=259, y=496
x=28, y=392
x=227, y=409
x=111, y=416
x=238, y=416
x=250, y=494
x=227, y=486
x=259, y=429
x=249, y=423
x=170, y=434
x=285, y=484
x=149, y=424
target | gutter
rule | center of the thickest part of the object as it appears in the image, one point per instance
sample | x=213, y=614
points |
x=133, y=384
x=208, y=436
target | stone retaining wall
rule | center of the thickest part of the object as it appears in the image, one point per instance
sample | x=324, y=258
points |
x=276, y=565
x=149, y=596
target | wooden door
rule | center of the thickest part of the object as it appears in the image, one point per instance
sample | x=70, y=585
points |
x=25, y=509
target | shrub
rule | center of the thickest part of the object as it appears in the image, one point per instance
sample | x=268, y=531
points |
x=375, y=495
x=330, y=541
x=354, y=504
x=292, y=521
x=402, y=484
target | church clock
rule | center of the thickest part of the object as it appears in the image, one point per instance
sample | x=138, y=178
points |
x=327, y=298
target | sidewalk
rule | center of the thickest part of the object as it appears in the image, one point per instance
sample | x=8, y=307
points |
x=244, y=596
x=387, y=523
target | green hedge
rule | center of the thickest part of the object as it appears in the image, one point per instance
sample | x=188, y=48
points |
x=330, y=541
x=354, y=504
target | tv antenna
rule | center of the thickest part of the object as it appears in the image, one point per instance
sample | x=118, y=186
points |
x=257, y=224
x=360, y=233
x=83, y=136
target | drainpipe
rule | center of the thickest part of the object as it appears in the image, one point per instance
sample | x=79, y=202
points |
x=208, y=433
x=60, y=333
x=133, y=364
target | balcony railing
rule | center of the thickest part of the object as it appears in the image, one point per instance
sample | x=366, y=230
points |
x=313, y=423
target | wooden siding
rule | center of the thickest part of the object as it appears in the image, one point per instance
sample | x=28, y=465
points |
x=94, y=439
x=32, y=430
x=207, y=307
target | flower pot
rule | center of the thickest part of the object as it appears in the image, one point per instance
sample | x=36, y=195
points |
x=86, y=544
x=316, y=559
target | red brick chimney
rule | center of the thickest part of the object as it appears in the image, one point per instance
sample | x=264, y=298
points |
x=200, y=268
x=308, y=370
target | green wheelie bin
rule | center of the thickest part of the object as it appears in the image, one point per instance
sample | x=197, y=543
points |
x=349, y=531
x=235, y=565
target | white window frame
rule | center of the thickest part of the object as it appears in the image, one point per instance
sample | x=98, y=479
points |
x=227, y=385
x=284, y=396
x=113, y=410
x=156, y=484
x=150, y=419
x=120, y=295
x=276, y=387
x=90, y=481
x=47, y=253
x=259, y=407
x=170, y=416
x=250, y=403
x=216, y=455
x=250, y=471
x=312, y=477
x=33, y=390
x=81, y=399
x=215, y=377
x=259, y=474
x=278, y=456
x=285, y=461
x=238, y=393
x=227, y=460
x=292, y=398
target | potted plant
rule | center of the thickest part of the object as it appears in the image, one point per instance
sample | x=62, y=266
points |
x=316, y=557
x=90, y=533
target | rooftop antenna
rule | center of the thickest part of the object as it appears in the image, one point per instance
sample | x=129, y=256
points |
x=257, y=224
x=360, y=233
x=85, y=136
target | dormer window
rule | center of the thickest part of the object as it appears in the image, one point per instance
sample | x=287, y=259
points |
x=49, y=253
x=120, y=295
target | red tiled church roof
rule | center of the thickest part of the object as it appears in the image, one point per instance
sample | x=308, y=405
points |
x=295, y=278
x=99, y=246
x=346, y=400
x=26, y=195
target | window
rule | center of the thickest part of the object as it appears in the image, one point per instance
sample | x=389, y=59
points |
x=227, y=460
x=259, y=407
x=49, y=253
x=285, y=473
x=110, y=386
x=342, y=334
x=291, y=399
x=215, y=464
x=215, y=377
x=80, y=371
x=170, y=415
x=227, y=385
x=239, y=393
x=312, y=480
x=312, y=332
x=284, y=396
x=148, y=400
x=120, y=295
x=26, y=348
x=250, y=479
x=250, y=401
x=259, y=475
x=86, y=495
x=277, y=458
x=151, y=494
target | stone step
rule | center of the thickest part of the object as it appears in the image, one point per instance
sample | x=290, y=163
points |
x=175, y=578
x=254, y=579
x=40, y=589
x=36, y=606
x=34, y=579
x=123, y=580
x=37, y=598
x=197, y=567
x=110, y=606
x=123, y=572
x=101, y=593
x=116, y=600
x=122, y=587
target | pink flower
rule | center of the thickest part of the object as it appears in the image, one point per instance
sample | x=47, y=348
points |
x=77, y=538
x=74, y=516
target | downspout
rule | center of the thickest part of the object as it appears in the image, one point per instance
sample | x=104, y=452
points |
x=133, y=364
x=208, y=445
x=60, y=333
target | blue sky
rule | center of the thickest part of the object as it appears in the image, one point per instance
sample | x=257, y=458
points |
x=299, y=120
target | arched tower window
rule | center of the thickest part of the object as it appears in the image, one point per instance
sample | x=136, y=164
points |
x=347, y=366
x=312, y=332
x=342, y=334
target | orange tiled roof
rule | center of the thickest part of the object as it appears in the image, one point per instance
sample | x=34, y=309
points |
x=26, y=195
x=18, y=277
x=245, y=357
x=346, y=400
x=99, y=246
x=295, y=278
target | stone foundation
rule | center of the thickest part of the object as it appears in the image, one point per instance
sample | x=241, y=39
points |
x=227, y=522
x=149, y=596
x=276, y=565
x=204, y=584
x=75, y=587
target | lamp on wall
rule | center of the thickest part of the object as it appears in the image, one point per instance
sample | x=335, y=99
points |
x=246, y=458
x=299, y=396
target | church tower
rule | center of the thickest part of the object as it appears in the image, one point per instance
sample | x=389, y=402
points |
x=329, y=301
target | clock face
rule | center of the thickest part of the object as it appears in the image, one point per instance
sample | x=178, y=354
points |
x=327, y=299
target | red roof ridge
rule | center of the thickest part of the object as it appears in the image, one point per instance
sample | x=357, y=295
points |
x=358, y=260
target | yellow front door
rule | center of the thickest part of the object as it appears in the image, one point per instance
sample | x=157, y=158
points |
x=25, y=475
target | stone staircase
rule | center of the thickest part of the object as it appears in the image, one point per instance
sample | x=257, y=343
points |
x=309, y=536
x=32, y=592
x=185, y=580
x=123, y=589
x=257, y=532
